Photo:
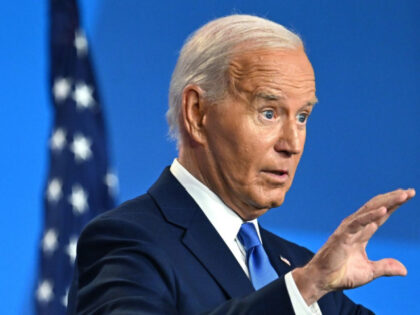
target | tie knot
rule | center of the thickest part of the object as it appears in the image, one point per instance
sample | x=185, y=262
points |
x=248, y=236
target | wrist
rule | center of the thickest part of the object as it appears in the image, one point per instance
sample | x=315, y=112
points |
x=309, y=284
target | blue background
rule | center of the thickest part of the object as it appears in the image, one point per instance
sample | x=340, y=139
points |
x=363, y=137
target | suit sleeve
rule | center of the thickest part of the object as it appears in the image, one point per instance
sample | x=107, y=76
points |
x=119, y=274
x=346, y=306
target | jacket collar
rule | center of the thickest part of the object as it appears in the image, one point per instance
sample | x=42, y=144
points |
x=200, y=236
x=278, y=252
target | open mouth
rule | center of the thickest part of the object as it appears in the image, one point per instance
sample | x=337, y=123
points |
x=277, y=175
x=279, y=172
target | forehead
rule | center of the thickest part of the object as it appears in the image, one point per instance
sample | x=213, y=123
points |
x=280, y=71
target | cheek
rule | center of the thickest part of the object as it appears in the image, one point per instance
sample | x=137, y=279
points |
x=241, y=162
x=236, y=145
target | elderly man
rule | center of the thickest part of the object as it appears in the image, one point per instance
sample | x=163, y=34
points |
x=240, y=97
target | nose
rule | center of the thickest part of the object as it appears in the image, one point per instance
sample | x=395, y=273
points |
x=290, y=141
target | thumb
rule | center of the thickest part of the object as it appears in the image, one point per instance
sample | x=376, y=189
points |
x=388, y=267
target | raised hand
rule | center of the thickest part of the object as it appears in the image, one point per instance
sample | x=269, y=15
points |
x=342, y=263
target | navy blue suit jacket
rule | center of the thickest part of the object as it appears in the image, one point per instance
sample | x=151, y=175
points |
x=159, y=254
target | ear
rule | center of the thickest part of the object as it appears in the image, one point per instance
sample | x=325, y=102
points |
x=193, y=112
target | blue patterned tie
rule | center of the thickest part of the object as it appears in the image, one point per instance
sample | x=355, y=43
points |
x=260, y=269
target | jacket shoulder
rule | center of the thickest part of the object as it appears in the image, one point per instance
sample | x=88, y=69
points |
x=138, y=219
x=141, y=206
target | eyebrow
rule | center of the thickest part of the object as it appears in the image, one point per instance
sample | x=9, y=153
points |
x=275, y=97
x=312, y=102
x=269, y=96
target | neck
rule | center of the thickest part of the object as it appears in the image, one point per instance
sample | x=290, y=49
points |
x=190, y=162
x=190, y=159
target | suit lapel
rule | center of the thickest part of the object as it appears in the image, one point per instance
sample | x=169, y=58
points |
x=200, y=236
x=277, y=253
x=216, y=257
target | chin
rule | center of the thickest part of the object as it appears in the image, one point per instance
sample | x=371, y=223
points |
x=275, y=198
x=276, y=203
x=265, y=204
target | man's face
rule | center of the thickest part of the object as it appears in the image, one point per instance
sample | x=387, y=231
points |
x=256, y=134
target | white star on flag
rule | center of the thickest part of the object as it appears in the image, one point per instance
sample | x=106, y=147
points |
x=78, y=199
x=49, y=241
x=74, y=191
x=81, y=148
x=44, y=293
x=65, y=298
x=82, y=95
x=54, y=190
x=61, y=89
x=58, y=139
x=80, y=43
x=71, y=249
x=111, y=180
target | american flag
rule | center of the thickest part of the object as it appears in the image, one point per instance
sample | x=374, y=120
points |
x=79, y=184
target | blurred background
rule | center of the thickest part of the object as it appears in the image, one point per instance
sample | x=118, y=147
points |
x=363, y=136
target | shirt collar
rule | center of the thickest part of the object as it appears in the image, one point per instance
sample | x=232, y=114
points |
x=226, y=222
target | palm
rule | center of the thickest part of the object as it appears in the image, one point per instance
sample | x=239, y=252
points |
x=342, y=263
x=354, y=271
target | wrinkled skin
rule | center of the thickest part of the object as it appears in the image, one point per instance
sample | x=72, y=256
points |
x=342, y=263
x=250, y=143
x=246, y=149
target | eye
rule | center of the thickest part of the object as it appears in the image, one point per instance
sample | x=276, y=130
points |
x=268, y=114
x=302, y=117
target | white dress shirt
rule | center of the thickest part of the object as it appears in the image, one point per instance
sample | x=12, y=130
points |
x=227, y=223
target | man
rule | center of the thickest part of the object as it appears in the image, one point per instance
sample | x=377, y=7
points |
x=240, y=97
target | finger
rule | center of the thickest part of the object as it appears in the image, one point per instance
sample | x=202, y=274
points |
x=410, y=193
x=391, y=200
x=401, y=199
x=360, y=221
x=388, y=267
x=399, y=196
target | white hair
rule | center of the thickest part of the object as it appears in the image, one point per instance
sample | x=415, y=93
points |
x=205, y=57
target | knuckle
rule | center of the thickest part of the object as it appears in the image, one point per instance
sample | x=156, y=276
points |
x=366, y=206
x=352, y=225
x=336, y=238
x=345, y=221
